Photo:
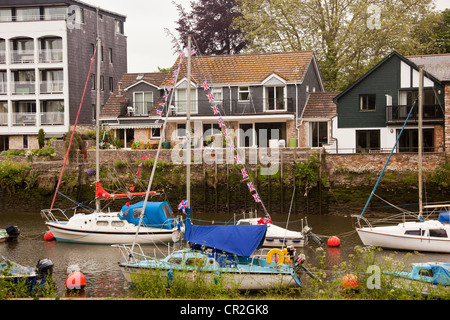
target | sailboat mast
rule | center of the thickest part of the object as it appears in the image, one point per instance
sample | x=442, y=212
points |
x=97, y=121
x=188, y=126
x=420, y=142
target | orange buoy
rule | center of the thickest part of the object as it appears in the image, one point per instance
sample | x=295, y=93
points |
x=334, y=241
x=75, y=281
x=349, y=281
x=49, y=236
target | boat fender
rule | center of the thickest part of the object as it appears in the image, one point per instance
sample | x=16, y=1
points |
x=278, y=252
x=48, y=236
x=75, y=281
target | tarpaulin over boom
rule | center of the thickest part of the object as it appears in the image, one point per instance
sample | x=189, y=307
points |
x=241, y=240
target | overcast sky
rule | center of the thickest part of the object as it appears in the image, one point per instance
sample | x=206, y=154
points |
x=148, y=45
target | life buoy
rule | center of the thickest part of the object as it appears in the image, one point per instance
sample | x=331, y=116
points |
x=279, y=253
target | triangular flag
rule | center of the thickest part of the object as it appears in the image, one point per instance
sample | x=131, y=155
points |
x=132, y=188
x=138, y=173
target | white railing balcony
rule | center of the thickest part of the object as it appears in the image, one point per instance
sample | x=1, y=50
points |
x=50, y=55
x=3, y=119
x=52, y=86
x=23, y=87
x=24, y=118
x=22, y=56
x=3, y=88
x=52, y=118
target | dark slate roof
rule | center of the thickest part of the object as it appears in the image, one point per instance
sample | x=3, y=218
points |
x=436, y=64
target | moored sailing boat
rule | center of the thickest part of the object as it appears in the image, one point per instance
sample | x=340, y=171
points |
x=123, y=226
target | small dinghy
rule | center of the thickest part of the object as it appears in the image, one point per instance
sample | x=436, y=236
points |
x=10, y=233
x=33, y=277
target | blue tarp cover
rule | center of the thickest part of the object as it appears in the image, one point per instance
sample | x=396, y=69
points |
x=241, y=240
x=157, y=214
x=444, y=217
x=440, y=272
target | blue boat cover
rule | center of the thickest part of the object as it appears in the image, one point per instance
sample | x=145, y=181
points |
x=156, y=214
x=440, y=272
x=444, y=217
x=241, y=240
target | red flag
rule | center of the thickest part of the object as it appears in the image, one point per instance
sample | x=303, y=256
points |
x=132, y=188
x=138, y=173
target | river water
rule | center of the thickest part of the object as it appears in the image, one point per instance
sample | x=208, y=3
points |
x=99, y=263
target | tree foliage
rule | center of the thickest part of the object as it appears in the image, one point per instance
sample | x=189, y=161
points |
x=210, y=22
x=348, y=36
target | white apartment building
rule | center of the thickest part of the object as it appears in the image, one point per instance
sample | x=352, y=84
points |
x=46, y=48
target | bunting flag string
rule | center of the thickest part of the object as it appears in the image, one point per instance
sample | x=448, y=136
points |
x=229, y=140
x=159, y=112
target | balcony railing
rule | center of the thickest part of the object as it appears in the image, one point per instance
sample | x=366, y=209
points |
x=52, y=118
x=24, y=118
x=50, y=55
x=3, y=88
x=31, y=17
x=22, y=56
x=23, y=87
x=3, y=119
x=52, y=86
x=398, y=113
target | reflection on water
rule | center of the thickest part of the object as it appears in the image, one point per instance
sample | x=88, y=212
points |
x=99, y=263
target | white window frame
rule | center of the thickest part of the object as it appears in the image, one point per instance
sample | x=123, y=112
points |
x=194, y=104
x=266, y=98
x=143, y=100
x=241, y=91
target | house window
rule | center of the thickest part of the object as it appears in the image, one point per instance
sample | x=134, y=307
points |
x=110, y=54
x=102, y=83
x=94, y=112
x=181, y=101
x=367, y=102
x=181, y=130
x=111, y=84
x=217, y=94
x=244, y=94
x=118, y=26
x=93, y=81
x=155, y=133
x=408, y=141
x=367, y=140
x=319, y=133
x=142, y=102
x=275, y=98
x=25, y=142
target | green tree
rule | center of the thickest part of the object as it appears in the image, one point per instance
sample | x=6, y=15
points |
x=210, y=22
x=348, y=36
x=41, y=138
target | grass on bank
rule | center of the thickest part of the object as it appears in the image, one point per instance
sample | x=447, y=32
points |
x=327, y=284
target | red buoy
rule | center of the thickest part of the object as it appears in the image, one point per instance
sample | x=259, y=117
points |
x=49, y=236
x=75, y=281
x=349, y=281
x=334, y=241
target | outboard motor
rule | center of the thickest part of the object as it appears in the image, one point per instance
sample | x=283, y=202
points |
x=44, y=268
x=307, y=232
x=298, y=266
x=13, y=232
